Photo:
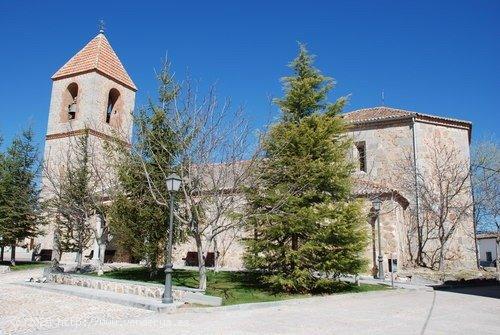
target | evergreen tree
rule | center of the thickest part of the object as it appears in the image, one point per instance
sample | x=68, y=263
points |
x=3, y=190
x=306, y=226
x=138, y=222
x=19, y=207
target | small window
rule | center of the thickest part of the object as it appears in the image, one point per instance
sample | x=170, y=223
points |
x=489, y=257
x=112, y=99
x=73, y=91
x=361, y=148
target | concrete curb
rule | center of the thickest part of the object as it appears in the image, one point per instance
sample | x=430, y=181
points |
x=106, y=296
x=372, y=281
x=270, y=304
x=401, y=285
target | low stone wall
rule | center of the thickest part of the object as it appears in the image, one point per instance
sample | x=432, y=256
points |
x=150, y=290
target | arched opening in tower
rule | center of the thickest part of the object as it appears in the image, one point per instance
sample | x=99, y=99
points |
x=112, y=99
x=73, y=92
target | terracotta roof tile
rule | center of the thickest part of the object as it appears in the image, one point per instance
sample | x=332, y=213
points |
x=488, y=235
x=97, y=55
x=367, y=188
x=374, y=114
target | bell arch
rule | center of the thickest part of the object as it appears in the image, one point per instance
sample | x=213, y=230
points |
x=70, y=102
x=111, y=106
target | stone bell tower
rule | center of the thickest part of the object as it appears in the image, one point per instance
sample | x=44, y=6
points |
x=92, y=92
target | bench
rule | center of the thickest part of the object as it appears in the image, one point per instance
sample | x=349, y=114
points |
x=191, y=259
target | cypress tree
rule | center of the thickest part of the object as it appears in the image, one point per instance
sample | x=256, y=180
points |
x=20, y=216
x=307, y=229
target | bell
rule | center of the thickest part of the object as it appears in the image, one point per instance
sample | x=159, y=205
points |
x=72, y=111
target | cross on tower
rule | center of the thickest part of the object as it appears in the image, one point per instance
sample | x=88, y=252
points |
x=101, y=26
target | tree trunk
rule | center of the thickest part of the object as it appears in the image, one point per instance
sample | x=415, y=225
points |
x=13, y=255
x=79, y=256
x=441, y=259
x=56, y=250
x=419, y=245
x=2, y=248
x=216, y=256
x=295, y=242
x=202, y=271
x=102, y=253
x=498, y=260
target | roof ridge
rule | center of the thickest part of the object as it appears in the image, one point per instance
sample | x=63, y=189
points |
x=382, y=113
x=99, y=48
x=382, y=107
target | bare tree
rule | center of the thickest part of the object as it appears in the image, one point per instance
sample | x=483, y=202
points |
x=211, y=156
x=444, y=191
x=78, y=189
x=486, y=185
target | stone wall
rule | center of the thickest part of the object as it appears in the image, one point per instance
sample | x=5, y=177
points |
x=93, y=90
x=386, y=145
x=231, y=249
x=460, y=251
x=91, y=102
x=149, y=290
x=227, y=243
x=389, y=155
x=392, y=232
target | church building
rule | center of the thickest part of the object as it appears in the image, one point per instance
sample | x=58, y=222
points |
x=93, y=92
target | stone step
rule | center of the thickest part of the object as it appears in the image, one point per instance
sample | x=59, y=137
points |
x=107, y=296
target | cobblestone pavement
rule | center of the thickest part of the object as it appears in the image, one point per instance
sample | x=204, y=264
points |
x=383, y=312
x=27, y=310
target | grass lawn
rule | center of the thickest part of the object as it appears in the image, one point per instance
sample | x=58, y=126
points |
x=22, y=265
x=232, y=287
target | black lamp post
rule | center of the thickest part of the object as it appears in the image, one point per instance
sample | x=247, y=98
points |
x=376, y=203
x=173, y=185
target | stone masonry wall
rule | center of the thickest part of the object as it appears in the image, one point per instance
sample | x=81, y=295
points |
x=461, y=248
x=388, y=148
x=92, y=98
x=149, y=290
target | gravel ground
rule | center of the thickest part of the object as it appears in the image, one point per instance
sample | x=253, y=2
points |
x=28, y=310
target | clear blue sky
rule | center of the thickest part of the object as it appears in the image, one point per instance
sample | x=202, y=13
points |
x=436, y=57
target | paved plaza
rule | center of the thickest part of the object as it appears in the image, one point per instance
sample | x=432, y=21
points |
x=27, y=310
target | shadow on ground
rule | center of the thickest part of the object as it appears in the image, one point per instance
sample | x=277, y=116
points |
x=483, y=288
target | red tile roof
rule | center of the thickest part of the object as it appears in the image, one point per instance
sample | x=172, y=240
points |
x=375, y=114
x=367, y=188
x=488, y=235
x=97, y=55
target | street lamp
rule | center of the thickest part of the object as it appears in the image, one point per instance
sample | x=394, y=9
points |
x=376, y=203
x=1, y=248
x=173, y=185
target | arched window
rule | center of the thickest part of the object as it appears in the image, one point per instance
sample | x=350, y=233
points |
x=73, y=94
x=361, y=148
x=112, y=99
